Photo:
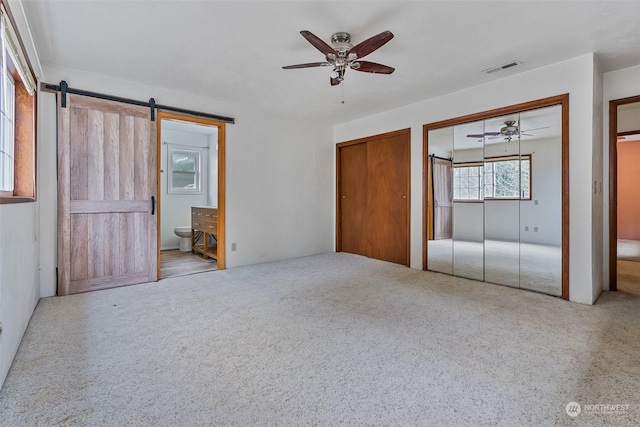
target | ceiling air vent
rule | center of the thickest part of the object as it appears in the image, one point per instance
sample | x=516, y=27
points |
x=502, y=67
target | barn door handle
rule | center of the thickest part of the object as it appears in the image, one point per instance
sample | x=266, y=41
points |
x=153, y=205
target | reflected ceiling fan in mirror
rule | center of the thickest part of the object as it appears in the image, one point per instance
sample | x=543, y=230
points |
x=508, y=131
x=341, y=54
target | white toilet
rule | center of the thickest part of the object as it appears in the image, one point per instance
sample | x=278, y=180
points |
x=185, y=237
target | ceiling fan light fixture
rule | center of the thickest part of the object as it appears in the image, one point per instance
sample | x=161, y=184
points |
x=341, y=54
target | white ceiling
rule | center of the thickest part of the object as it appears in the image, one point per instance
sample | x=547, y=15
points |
x=233, y=51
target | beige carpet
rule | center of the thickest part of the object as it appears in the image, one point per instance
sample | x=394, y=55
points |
x=527, y=266
x=333, y=339
x=629, y=250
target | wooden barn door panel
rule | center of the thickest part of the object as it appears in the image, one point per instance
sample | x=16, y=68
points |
x=106, y=177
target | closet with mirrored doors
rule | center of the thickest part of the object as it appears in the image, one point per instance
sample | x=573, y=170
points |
x=496, y=196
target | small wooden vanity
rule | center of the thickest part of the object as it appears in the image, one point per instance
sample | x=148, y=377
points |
x=204, y=231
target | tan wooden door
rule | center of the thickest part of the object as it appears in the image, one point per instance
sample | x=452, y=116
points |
x=443, y=202
x=107, y=186
x=373, y=197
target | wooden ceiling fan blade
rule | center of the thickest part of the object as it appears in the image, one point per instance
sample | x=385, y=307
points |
x=307, y=65
x=476, y=135
x=372, y=67
x=366, y=47
x=318, y=43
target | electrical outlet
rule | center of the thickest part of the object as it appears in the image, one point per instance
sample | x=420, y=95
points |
x=535, y=229
x=526, y=228
x=233, y=247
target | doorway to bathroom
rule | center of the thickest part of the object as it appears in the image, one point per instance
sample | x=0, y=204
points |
x=191, y=195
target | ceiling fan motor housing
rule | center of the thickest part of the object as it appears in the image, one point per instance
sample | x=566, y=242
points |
x=510, y=128
x=341, y=42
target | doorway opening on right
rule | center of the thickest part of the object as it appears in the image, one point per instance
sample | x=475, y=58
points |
x=626, y=238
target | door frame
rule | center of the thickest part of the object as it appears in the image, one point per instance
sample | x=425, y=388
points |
x=339, y=146
x=525, y=106
x=167, y=115
x=613, y=187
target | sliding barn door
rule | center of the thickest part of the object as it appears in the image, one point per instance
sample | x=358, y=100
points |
x=443, y=198
x=107, y=186
x=373, y=186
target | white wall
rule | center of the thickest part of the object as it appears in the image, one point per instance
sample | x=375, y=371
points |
x=574, y=76
x=279, y=182
x=507, y=219
x=616, y=85
x=629, y=120
x=20, y=242
x=19, y=281
x=468, y=221
x=175, y=209
x=212, y=184
x=597, y=204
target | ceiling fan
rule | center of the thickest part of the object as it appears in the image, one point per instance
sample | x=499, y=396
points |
x=509, y=130
x=341, y=54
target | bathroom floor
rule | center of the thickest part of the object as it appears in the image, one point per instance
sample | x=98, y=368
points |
x=174, y=263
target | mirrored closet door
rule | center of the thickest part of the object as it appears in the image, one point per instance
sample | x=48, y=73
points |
x=494, y=199
x=468, y=226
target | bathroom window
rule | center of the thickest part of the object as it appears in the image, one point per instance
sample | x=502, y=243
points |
x=184, y=172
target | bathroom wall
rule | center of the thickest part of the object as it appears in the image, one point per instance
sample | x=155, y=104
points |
x=212, y=193
x=175, y=209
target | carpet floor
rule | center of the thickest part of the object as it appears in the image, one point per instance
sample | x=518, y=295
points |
x=334, y=339
x=519, y=265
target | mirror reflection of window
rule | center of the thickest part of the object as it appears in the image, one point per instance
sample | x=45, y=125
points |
x=184, y=171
